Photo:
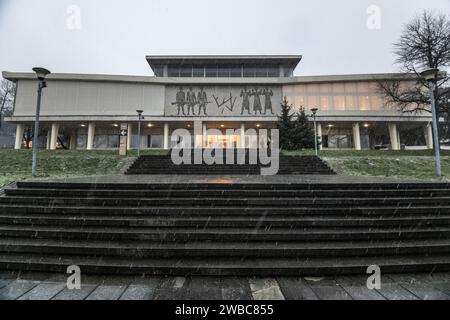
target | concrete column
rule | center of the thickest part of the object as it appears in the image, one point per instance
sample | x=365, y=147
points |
x=166, y=136
x=19, y=136
x=130, y=136
x=356, y=137
x=90, y=137
x=205, y=135
x=54, y=136
x=319, y=134
x=242, y=138
x=428, y=130
x=393, y=134
x=49, y=136
x=198, y=135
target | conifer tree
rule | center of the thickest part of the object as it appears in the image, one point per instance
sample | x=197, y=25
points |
x=285, y=125
x=303, y=135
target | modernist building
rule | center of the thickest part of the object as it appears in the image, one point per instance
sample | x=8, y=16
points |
x=85, y=111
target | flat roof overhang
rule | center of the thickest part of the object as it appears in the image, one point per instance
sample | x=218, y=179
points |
x=290, y=61
x=15, y=76
x=293, y=60
x=133, y=118
x=355, y=117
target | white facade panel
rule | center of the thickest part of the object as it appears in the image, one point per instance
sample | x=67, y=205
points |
x=86, y=98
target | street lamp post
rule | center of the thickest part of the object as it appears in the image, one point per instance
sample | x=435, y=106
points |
x=41, y=73
x=432, y=76
x=139, y=112
x=314, y=112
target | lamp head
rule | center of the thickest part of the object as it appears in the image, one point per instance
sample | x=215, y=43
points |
x=314, y=110
x=41, y=73
x=432, y=75
x=140, y=112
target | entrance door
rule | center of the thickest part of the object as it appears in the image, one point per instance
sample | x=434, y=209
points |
x=223, y=141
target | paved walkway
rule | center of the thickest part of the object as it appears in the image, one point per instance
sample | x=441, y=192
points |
x=41, y=286
x=252, y=179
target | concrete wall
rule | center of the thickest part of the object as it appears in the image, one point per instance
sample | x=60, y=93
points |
x=90, y=98
x=82, y=99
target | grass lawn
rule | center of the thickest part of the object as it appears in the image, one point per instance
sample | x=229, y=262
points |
x=385, y=163
x=16, y=164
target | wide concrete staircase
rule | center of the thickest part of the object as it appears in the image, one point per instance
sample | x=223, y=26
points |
x=225, y=229
x=163, y=164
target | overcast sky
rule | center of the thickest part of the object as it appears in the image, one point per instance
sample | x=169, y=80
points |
x=113, y=37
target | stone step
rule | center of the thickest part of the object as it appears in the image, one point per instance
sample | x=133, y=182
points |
x=227, y=201
x=224, y=234
x=217, y=173
x=228, y=193
x=215, y=229
x=233, y=186
x=169, y=164
x=224, y=222
x=287, y=165
x=143, y=249
x=262, y=267
x=230, y=211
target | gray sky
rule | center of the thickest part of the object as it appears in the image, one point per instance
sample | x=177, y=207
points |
x=113, y=37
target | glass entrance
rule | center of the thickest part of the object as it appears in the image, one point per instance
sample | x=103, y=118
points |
x=223, y=141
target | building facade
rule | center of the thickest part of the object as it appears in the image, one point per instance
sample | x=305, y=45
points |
x=83, y=111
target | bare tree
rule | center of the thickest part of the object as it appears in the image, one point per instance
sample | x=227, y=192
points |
x=424, y=44
x=7, y=96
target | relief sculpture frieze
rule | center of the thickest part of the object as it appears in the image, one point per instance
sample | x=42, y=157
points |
x=189, y=101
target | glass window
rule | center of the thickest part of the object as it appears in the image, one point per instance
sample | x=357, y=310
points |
x=156, y=141
x=249, y=71
x=377, y=102
x=313, y=89
x=198, y=71
x=82, y=141
x=223, y=71
x=186, y=71
x=134, y=141
x=325, y=88
x=101, y=141
x=300, y=101
x=325, y=102
x=300, y=89
x=159, y=71
x=364, y=103
x=373, y=87
x=211, y=71
x=339, y=103
x=351, y=88
x=351, y=102
x=235, y=71
x=113, y=141
x=338, y=88
x=339, y=141
x=173, y=71
x=261, y=71
x=363, y=88
x=288, y=72
x=313, y=102
x=273, y=71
